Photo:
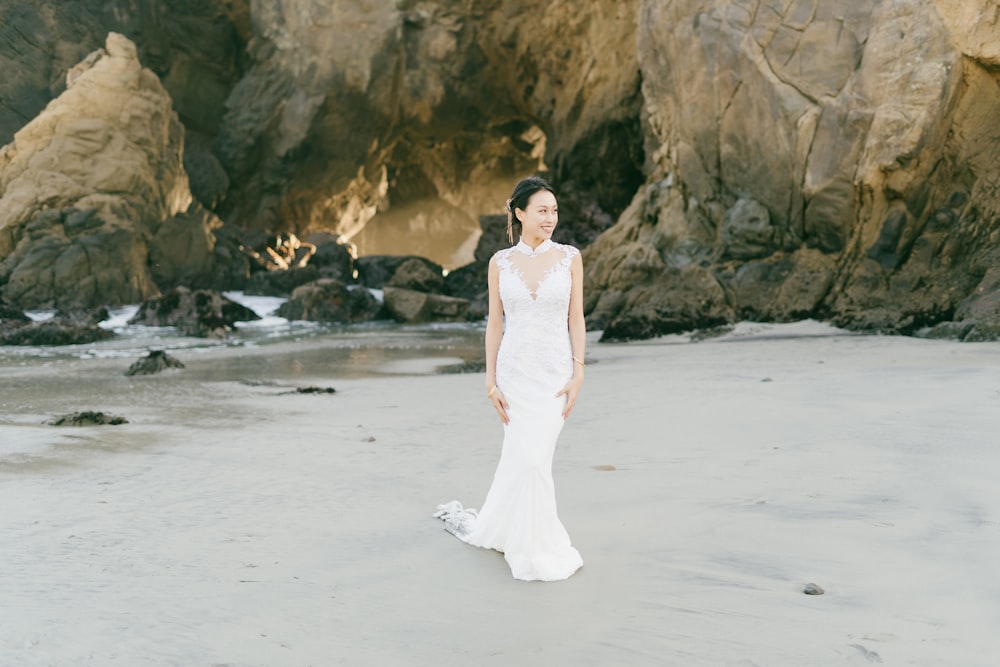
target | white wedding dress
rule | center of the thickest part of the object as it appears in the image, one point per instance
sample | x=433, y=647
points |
x=518, y=517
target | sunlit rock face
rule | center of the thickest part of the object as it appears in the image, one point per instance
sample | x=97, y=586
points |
x=195, y=47
x=810, y=159
x=418, y=117
x=94, y=201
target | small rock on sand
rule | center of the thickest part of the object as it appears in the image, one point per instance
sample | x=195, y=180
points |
x=87, y=418
x=154, y=362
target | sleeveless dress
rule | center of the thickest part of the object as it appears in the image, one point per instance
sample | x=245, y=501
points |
x=518, y=517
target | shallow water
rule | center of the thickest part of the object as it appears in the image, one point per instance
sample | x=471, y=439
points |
x=272, y=347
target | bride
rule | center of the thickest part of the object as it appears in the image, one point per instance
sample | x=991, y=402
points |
x=535, y=338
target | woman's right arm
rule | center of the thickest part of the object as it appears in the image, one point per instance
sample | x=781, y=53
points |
x=494, y=325
x=494, y=333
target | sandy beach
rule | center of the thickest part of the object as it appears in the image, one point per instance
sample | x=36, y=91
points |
x=234, y=522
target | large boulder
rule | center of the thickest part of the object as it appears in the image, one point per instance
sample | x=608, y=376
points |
x=378, y=270
x=280, y=282
x=90, y=184
x=201, y=313
x=57, y=331
x=66, y=328
x=12, y=313
x=418, y=275
x=469, y=282
x=413, y=307
x=334, y=256
x=330, y=300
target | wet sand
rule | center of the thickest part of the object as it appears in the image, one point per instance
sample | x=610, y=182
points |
x=235, y=523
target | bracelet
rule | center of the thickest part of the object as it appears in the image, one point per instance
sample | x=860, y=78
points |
x=579, y=362
x=490, y=395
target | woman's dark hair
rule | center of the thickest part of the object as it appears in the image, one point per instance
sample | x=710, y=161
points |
x=523, y=191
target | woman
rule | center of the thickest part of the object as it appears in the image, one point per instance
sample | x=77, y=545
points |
x=535, y=338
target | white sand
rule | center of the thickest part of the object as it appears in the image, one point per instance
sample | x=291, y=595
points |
x=233, y=525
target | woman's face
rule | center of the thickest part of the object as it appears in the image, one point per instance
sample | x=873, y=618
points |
x=539, y=217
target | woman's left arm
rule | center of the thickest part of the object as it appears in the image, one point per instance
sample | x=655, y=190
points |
x=577, y=335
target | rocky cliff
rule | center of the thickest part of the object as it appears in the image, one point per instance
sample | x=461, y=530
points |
x=764, y=159
x=810, y=159
x=94, y=201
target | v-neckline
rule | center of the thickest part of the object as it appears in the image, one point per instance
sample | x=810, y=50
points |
x=533, y=295
x=548, y=273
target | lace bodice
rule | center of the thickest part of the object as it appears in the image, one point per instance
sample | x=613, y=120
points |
x=535, y=354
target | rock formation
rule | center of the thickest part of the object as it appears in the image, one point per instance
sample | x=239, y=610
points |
x=201, y=313
x=87, y=418
x=94, y=201
x=809, y=160
x=413, y=307
x=56, y=331
x=330, y=300
x=156, y=361
x=763, y=159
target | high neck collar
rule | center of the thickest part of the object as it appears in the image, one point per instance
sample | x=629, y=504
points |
x=526, y=249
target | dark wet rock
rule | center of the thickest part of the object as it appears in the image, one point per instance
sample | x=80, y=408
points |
x=233, y=265
x=968, y=331
x=51, y=332
x=584, y=213
x=84, y=315
x=377, y=270
x=983, y=332
x=12, y=313
x=416, y=274
x=470, y=282
x=196, y=250
x=87, y=418
x=280, y=282
x=155, y=362
x=676, y=301
x=948, y=330
x=412, y=307
x=315, y=390
x=782, y=287
x=493, y=238
x=812, y=589
x=977, y=318
x=330, y=300
x=201, y=313
x=333, y=256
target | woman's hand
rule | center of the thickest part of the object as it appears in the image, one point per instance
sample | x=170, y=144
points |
x=499, y=403
x=571, y=391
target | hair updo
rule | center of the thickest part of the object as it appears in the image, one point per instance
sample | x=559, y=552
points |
x=523, y=191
